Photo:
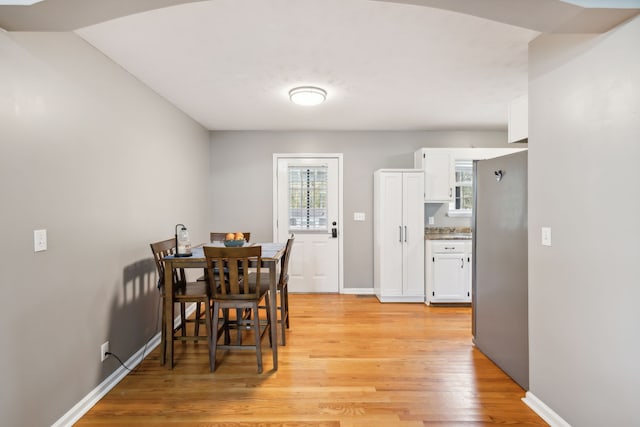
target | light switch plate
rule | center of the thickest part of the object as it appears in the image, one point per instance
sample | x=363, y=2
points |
x=358, y=216
x=39, y=240
x=432, y=220
x=546, y=236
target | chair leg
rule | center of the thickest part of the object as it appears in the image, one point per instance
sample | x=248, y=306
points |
x=213, y=337
x=163, y=339
x=197, y=319
x=183, y=319
x=267, y=307
x=256, y=329
x=239, y=322
x=227, y=334
x=286, y=303
x=283, y=315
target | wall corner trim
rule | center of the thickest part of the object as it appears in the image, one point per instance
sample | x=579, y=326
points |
x=545, y=412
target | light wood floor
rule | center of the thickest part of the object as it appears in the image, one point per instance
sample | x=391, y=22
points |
x=349, y=361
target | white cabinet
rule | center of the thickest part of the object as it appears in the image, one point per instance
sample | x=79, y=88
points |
x=398, y=234
x=518, y=120
x=439, y=174
x=448, y=271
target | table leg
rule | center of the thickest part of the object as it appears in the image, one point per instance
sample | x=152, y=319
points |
x=167, y=345
x=273, y=312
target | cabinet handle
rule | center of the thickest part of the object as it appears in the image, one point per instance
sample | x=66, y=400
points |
x=400, y=228
x=447, y=247
x=450, y=192
x=462, y=265
x=405, y=233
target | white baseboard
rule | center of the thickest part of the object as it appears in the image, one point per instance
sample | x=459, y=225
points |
x=94, y=396
x=357, y=291
x=546, y=413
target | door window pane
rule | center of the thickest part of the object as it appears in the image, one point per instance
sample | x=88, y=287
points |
x=307, y=198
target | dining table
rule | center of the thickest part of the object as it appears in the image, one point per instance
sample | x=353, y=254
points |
x=272, y=253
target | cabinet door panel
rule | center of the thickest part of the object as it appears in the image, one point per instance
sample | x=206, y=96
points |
x=413, y=214
x=469, y=273
x=449, y=278
x=438, y=177
x=390, y=262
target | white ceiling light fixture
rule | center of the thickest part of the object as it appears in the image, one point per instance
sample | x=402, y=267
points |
x=18, y=2
x=307, y=95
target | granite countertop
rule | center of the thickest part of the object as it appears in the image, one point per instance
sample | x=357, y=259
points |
x=447, y=233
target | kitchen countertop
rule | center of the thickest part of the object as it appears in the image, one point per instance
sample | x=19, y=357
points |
x=448, y=236
x=447, y=233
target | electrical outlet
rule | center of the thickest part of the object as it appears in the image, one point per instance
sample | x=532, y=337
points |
x=104, y=349
x=432, y=220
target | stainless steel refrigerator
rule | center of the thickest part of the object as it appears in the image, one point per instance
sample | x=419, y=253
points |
x=499, y=281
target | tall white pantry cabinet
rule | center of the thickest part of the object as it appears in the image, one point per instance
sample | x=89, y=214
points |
x=398, y=235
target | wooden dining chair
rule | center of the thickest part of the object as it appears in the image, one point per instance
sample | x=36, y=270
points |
x=283, y=288
x=184, y=293
x=230, y=289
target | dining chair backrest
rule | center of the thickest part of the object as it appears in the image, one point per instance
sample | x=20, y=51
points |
x=229, y=282
x=160, y=250
x=219, y=237
x=284, y=265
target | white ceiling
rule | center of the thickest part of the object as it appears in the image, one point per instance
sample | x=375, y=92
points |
x=229, y=64
x=386, y=65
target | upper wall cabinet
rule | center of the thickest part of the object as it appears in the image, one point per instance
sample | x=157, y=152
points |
x=518, y=121
x=438, y=166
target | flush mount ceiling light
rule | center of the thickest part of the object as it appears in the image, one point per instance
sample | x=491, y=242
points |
x=18, y=2
x=307, y=95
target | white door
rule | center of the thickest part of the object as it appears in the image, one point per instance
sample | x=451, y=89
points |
x=413, y=220
x=307, y=202
x=388, y=257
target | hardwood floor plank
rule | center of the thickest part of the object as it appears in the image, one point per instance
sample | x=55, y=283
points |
x=350, y=361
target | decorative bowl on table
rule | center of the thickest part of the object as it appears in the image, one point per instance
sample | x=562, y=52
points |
x=234, y=243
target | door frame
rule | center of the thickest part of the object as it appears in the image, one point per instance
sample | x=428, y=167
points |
x=276, y=157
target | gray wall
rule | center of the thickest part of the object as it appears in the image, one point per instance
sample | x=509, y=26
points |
x=89, y=154
x=246, y=158
x=439, y=213
x=584, y=146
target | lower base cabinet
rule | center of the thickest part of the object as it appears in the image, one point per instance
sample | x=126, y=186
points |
x=448, y=271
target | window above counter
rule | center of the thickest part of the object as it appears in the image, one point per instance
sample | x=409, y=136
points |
x=462, y=203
